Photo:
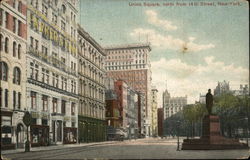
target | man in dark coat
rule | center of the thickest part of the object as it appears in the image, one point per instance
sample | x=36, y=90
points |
x=209, y=101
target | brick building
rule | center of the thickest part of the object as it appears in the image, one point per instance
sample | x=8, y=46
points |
x=160, y=119
x=13, y=38
x=131, y=63
x=121, y=89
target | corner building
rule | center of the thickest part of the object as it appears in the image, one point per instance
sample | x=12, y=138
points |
x=131, y=63
x=91, y=115
x=13, y=38
x=52, y=76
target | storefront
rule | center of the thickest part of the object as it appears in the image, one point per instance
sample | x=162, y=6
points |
x=69, y=135
x=91, y=129
x=39, y=135
x=7, y=131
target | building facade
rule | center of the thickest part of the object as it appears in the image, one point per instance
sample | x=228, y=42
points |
x=242, y=91
x=113, y=107
x=141, y=115
x=131, y=63
x=121, y=89
x=52, y=79
x=172, y=105
x=222, y=87
x=92, y=124
x=132, y=114
x=13, y=38
x=154, y=124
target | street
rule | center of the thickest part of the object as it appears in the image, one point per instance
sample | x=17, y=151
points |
x=150, y=148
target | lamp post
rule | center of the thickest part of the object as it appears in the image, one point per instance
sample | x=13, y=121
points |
x=27, y=122
x=128, y=126
x=247, y=131
x=178, y=141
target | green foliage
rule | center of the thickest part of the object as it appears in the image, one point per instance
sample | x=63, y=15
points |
x=194, y=112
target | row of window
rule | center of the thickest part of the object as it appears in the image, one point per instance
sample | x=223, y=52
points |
x=128, y=51
x=16, y=98
x=18, y=5
x=4, y=45
x=16, y=26
x=125, y=67
x=91, y=90
x=54, y=35
x=92, y=72
x=55, y=106
x=90, y=53
x=34, y=43
x=91, y=110
x=45, y=78
x=4, y=73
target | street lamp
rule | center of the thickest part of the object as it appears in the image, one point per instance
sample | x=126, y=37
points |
x=247, y=131
x=178, y=141
x=128, y=126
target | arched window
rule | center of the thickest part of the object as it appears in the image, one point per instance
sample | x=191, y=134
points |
x=14, y=49
x=63, y=9
x=16, y=75
x=19, y=51
x=14, y=3
x=3, y=71
x=6, y=47
x=20, y=6
x=1, y=42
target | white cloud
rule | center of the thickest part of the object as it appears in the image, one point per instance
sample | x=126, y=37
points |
x=153, y=19
x=191, y=80
x=169, y=42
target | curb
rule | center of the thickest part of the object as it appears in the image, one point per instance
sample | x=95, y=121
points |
x=57, y=147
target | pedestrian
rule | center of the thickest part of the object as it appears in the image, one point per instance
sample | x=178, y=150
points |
x=79, y=141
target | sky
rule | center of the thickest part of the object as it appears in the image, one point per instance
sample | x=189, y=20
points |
x=193, y=47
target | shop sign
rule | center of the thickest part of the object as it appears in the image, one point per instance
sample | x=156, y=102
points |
x=66, y=118
x=49, y=32
x=73, y=119
x=6, y=121
x=34, y=115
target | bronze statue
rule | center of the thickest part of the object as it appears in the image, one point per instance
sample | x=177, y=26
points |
x=209, y=101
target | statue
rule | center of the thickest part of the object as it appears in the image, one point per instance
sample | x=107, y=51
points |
x=209, y=102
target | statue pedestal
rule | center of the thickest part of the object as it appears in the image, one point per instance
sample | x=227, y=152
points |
x=211, y=138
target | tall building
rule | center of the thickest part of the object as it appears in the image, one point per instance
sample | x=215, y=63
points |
x=92, y=124
x=242, y=91
x=52, y=79
x=172, y=105
x=154, y=107
x=112, y=104
x=141, y=114
x=132, y=114
x=160, y=119
x=222, y=87
x=121, y=89
x=131, y=63
x=202, y=99
x=13, y=38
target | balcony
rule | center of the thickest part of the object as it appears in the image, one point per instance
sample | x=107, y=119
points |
x=52, y=60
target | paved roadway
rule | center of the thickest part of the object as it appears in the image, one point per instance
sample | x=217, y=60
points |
x=134, y=149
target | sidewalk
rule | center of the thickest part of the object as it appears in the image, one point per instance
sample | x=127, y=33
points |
x=55, y=147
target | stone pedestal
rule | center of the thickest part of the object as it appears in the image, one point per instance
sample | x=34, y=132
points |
x=211, y=138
